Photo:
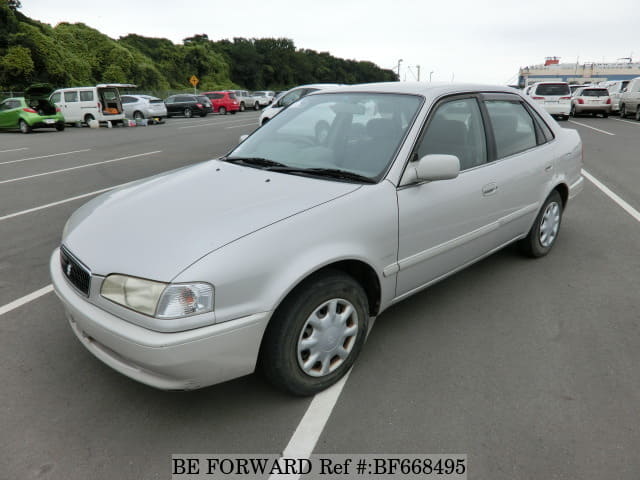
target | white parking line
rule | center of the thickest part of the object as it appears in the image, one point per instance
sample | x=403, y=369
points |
x=306, y=436
x=26, y=299
x=613, y=196
x=630, y=122
x=243, y=125
x=44, y=156
x=60, y=202
x=79, y=166
x=14, y=150
x=592, y=128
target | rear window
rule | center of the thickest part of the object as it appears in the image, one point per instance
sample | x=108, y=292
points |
x=553, y=89
x=156, y=100
x=595, y=92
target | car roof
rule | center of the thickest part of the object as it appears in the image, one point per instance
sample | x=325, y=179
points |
x=432, y=90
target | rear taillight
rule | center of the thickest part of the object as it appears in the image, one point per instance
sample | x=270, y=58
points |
x=58, y=109
x=565, y=98
x=580, y=101
x=538, y=98
x=99, y=106
x=199, y=105
x=30, y=110
x=608, y=102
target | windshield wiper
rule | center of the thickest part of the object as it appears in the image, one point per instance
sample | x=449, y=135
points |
x=324, y=172
x=254, y=161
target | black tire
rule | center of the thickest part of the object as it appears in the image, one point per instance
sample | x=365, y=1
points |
x=605, y=115
x=60, y=127
x=88, y=117
x=233, y=112
x=188, y=113
x=533, y=245
x=242, y=106
x=222, y=111
x=623, y=111
x=638, y=113
x=281, y=354
x=256, y=106
x=138, y=115
x=24, y=127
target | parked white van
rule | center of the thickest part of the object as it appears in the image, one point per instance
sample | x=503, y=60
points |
x=83, y=104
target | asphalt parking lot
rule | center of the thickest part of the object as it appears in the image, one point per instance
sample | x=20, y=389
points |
x=530, y=367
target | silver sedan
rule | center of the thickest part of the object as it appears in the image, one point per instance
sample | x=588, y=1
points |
x=138, y=107
x=280, y=255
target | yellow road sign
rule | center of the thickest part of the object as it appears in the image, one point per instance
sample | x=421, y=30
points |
x=194, y=80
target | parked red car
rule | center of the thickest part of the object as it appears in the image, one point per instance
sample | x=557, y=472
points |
x=223, y=102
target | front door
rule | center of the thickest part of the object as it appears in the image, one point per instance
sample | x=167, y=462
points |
x=444, y=225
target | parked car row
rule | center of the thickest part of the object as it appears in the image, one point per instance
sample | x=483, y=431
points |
x=563, y=100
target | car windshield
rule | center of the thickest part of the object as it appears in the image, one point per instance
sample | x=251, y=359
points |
x=553, y=89
x=599, y=92
x=357, y=133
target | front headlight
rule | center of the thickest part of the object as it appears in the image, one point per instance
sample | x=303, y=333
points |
x=158, y=299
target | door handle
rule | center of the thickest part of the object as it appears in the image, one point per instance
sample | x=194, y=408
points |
x=548, y=168
x=489, y=189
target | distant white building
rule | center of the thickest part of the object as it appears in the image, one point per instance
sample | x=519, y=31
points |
x=554, y=71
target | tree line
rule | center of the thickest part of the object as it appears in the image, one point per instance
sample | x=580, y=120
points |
x=75, y=54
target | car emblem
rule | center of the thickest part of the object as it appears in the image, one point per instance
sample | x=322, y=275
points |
x=68, y=270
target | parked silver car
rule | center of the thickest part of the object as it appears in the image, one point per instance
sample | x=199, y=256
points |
x=137, y=107
x=593, y=100
x=280, y=254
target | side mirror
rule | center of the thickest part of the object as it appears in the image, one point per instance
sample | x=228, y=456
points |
x=243, y=138
x=431, y=168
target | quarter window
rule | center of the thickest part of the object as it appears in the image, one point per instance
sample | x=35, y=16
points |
x=513, y=127
x=86, y=96
x=456, y=128
x=55, y=98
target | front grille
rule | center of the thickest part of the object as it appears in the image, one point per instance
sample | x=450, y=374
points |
x=76, y=272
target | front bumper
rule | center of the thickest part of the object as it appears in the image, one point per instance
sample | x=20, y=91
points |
x=170, y=361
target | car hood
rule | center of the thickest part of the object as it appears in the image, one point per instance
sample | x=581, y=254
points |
x=155, y=228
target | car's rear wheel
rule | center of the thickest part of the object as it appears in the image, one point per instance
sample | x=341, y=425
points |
x=222, y=111
x=88, y=117
x=188, y=113
x=544, y=233
x=233, y=112
x=137, y=115
x=605, y=114
x=256, y=106
x=60, y=127
x=316, y=334
x=24, y=127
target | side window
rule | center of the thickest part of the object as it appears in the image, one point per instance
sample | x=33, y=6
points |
x=5, y=105
x=125, y=99
x=170, y=100
x=513, y=127
x=55, y=98
x=71, y=96
x=291, y=97
x=547, y=134
x=86, y=96
x=456, y=128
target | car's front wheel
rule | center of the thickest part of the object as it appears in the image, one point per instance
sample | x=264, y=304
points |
x=544, y=233
x=316, y=334
x=222, y=111
x=24, y=127
x=188, y=113
x=623, y=111
x=573, y=111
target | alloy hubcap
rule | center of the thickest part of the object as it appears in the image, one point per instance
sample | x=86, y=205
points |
x=549, y=224
x=328, y=337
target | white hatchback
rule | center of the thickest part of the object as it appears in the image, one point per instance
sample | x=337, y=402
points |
x=554, y=97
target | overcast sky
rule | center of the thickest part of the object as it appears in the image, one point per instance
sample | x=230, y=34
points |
x=464, y=40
